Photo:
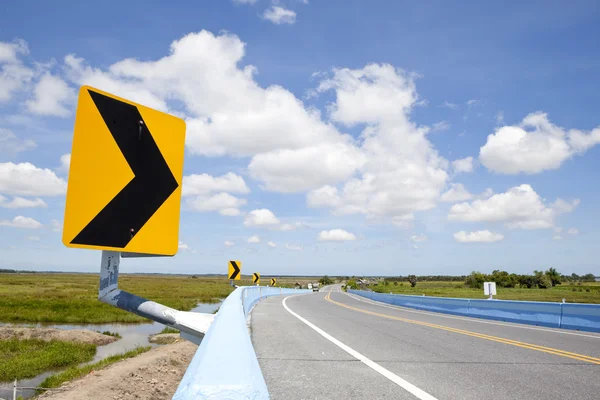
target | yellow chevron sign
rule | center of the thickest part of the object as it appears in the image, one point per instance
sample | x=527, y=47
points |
x=273, y=281
x=124, y=189
x=256, y=278
x=235, y=270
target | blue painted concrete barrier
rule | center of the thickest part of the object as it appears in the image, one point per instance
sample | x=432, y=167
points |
x=528, y=312
x=225, y=364
x=584, y=317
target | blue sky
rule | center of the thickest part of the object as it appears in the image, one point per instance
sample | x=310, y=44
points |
x=359, y=138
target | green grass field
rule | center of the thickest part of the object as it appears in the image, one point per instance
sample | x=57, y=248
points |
x=72, y=298
x=586, y=293
x=27, y=358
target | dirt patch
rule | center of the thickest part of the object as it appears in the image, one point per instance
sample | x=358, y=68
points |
x=152, y=375
x=164, y=338
x=48, y=334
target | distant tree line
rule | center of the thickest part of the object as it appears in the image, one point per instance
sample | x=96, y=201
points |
x=426, y=278
x=539, y=279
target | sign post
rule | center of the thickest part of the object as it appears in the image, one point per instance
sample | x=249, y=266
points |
x=489, y=288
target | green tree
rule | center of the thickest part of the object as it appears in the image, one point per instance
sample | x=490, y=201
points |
x=326, y=280
x=412, y=279
x=351, y=284
x=554, y=276
x=542, y=280
x=525, y=281
x=475, y=280
x=588, y=278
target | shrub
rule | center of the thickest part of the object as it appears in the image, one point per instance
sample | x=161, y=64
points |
x=412, y=279
x=475, y=280
x=542, y=280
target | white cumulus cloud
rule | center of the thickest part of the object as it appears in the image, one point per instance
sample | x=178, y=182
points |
x=401, y=172
x=336, y=235
x=52, y=96
x=478, y=237
x=26, y=179
x=229, y=243
x=261, y=217
x=534, y=146
x=271, y=245
x=254, y=239
x=183, y=246
x=20, y=202
x=463, y=165
x=573, y=231
x=293, y=247
x=224, y=203
x=203, y=184
x=519, y=207
x=14, y=75
x=65, y=163
x=279, y=15
x=21, y=222
x=457, y=192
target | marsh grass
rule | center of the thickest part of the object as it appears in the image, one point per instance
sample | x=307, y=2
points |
x=73, y=298
x=21, y=359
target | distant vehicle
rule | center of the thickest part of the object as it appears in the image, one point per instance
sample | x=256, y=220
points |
x=315, y=287
x=309, y=285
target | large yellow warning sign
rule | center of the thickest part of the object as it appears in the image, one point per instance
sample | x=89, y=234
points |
x=124, y=189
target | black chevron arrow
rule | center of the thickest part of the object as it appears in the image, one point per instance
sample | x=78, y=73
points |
x=273, y=282
x=153, y=182
x=236, y=270
x=256, y=278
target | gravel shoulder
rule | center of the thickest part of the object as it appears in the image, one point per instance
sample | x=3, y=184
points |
x=48, y=334
x=152, y=375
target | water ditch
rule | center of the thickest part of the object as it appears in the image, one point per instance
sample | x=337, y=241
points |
x=132, y=336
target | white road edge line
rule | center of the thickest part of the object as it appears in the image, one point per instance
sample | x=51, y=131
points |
x=441, y=315
x=409, y=387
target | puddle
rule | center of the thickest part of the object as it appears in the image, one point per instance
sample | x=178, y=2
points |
x=133, y=335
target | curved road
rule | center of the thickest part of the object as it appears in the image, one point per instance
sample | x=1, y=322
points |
x=333, y=345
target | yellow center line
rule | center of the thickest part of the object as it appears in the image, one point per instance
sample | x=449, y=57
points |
x=530, y=346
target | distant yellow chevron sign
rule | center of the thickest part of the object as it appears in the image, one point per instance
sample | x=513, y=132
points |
x=235, y=270
x=256, y=278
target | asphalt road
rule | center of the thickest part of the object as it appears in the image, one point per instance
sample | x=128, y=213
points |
x=331, y=345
